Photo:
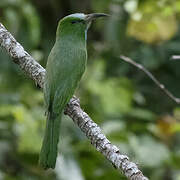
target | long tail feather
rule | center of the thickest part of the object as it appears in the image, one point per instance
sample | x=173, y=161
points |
x=48, y=154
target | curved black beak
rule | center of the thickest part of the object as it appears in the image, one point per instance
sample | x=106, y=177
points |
x=90, y=17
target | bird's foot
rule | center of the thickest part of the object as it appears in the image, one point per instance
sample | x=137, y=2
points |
x=74, y=101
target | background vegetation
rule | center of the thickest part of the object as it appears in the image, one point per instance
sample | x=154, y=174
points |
x=132, y=111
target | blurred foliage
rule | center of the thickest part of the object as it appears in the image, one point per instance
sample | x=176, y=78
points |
x=132, y=111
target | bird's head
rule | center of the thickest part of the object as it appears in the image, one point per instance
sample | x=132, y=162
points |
x=77, y=23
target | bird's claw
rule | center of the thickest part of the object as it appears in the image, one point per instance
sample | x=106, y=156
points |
x=75, y=101
x=37, y=85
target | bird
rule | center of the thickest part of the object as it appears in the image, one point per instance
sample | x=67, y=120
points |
x=65, y=66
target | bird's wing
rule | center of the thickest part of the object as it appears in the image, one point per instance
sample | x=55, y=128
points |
x=64, y=71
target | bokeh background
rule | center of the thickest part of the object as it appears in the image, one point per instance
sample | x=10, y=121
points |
x=131, y=110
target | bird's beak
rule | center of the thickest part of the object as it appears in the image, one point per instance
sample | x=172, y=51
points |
x=90, y=17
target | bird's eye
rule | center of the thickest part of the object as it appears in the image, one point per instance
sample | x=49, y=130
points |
x=77, y=21
x=73, y=22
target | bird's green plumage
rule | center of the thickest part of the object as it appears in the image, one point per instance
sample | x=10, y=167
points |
x=65, y=67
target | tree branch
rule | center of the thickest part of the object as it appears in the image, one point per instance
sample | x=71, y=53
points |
x=73, y=109
x=161, y=86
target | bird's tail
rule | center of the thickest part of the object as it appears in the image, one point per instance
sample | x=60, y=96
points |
x=48, y=154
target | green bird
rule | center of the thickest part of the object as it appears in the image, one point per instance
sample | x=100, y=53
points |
x=65, y=67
